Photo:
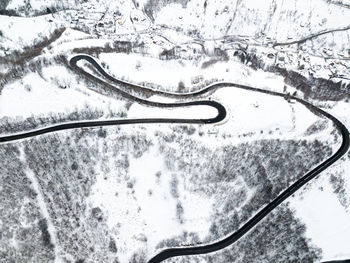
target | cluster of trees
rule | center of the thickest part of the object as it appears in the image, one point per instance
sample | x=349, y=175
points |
x=316, y=127
x=26, y=9
x=241, y=178
x=20, y=57
x=65, y=169
x=9, y=125
x=312, y=88
x=280, y=237
x=20, y=62
x=339, y=188
x=271, y=166
x=138, y=257
x=24, y=236
x=183, y=239
x=317, y=88
x=66, y=165
x=3, y=4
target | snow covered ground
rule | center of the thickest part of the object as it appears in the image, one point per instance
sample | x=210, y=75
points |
x=327, y=220
x=151, y=210
x=16, y=36
x=147, y=201
x=178, y=46
x=137, y=69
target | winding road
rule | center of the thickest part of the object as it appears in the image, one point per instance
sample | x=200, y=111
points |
x=229, y=240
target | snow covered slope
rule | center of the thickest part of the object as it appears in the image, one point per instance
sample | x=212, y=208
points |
x=123, y=194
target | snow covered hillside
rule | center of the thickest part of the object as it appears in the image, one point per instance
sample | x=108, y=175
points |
x=126, y=192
